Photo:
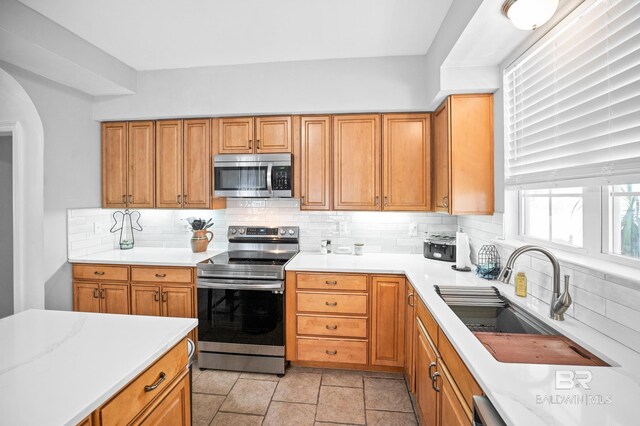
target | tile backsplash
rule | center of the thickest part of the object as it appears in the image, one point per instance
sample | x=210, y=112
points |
x=605, y=303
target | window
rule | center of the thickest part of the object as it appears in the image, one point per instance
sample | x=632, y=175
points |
x=624, y=220
x=572, y=133
x=553, y=215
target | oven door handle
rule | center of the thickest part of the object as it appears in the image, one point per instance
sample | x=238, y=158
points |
x=246, y=285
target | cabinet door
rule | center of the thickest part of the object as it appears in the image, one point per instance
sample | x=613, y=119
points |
x=452, y=411
x=145, y=300
x=114, y=165
x=114, y=298
x=86, y=297
x=177, y=301
x=406, y=162
x=409, y=333
x=169, y=164
x=315, y=170
x=197, y=164
x=141, y=182
x=426, y=396
x=173, y=409
x=472, y=183
x=441, y=158
x=235, y=135
x=273, y=134
x=387, y=320
x=356, y=162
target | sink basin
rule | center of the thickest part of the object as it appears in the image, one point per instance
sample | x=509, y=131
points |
x=507, y=319
x=509, y=332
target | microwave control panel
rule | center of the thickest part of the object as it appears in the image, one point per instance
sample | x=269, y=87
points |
x=281, y=178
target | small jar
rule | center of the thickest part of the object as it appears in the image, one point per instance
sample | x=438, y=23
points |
x=358, y=249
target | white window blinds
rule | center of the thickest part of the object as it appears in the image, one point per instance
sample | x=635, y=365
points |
x=572, y=101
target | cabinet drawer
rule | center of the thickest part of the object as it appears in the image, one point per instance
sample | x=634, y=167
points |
x=333, y=303
x=134, y=398
x=101, y=272
x=331, y=282
x=332, y=326
x=332, y=350
x=161, y=275
x=427, y=319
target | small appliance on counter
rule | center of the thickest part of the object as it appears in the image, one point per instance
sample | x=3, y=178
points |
x=440, y=246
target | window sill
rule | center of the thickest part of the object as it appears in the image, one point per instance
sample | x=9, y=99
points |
x=625, y=275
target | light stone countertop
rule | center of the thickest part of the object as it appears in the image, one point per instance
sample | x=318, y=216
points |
x=148, y=256
x=523, y=394
x=57, y=367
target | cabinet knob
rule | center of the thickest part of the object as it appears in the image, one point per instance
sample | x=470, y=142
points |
x=331, y=303
x=331, y=352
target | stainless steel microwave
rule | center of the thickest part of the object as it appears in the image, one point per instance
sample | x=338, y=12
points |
x=253, y=175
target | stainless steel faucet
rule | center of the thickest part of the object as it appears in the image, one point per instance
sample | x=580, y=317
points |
x=559, y=302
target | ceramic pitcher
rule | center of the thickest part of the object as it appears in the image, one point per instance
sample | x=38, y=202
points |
x=200, y=240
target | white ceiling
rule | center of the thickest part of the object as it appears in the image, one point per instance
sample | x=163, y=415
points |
x=487, y=40
x=165, y=34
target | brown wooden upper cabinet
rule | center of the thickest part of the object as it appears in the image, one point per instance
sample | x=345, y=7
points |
x=183, y=164
x=254, y=135
x=406, y=162
x=128, y=164
x=315, y=159
x=463, y=155
x=356, y=162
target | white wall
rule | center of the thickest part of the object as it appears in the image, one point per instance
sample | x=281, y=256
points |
x=6, y=227
x=71, y=173
x=340, y=85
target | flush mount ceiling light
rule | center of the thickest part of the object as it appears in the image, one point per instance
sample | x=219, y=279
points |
x=529, y=14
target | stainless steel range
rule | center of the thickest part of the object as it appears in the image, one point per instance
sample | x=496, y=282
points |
x=241, y=300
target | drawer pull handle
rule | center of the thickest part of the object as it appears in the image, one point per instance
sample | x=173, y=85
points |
x=149, y=388
x=331, y=303
x=96, y=293
x=433, y=381
x=331, y=327
x=99, y=272
x=433, y=364
x=331, y=352
x=331, y=282
x=161, y=275
x=156, y=296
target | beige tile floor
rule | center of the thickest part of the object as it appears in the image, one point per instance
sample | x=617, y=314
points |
x=304, y=396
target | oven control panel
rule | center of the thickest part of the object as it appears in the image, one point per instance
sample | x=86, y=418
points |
x=263, y=232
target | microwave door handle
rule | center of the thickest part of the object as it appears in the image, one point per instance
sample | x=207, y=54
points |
x=269, y=185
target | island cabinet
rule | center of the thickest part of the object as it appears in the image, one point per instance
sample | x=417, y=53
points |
x=463, y=155
x=254, y=135
x=343, y=321
x=128, y=164
x=160, y=395
x=444, y=387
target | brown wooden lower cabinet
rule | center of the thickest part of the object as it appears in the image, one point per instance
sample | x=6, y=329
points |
x=162, y=300
x=387, y=320
x=451, y=408
x=426, y=397
x=409, y=336
x=160, y=395
x=106, y=298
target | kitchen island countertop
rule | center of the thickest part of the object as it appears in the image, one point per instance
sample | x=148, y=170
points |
x=57, y=367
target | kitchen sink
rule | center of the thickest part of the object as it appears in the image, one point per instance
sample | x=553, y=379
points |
x=509, y=332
